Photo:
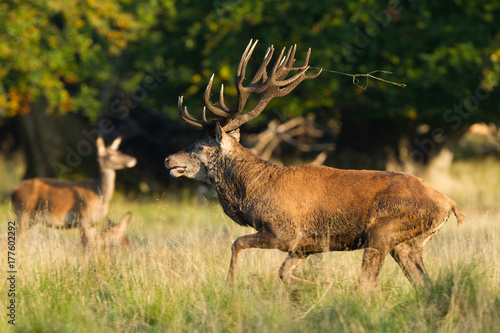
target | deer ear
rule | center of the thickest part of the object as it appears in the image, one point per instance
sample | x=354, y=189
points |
x=116, y=143
x=219, y=133
x=235, y=134
x=101, y=148
x=125, y=218
x=124, y=224
x=222, y=138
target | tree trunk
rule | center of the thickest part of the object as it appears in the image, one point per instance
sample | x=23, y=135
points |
x=365, y=144
x=45, y=139
x=33, y=129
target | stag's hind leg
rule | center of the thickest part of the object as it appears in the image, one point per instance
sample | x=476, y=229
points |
x=291, y=262
x=409, y=257
x=260, y=240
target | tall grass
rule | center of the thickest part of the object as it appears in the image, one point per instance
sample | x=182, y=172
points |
x=174, y=278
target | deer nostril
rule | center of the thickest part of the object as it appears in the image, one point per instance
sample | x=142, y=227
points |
x=166, y=162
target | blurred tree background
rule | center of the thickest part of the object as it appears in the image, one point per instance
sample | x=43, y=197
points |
x=72, y=69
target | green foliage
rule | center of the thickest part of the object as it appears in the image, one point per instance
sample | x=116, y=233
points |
x=443, y=51
x=56, y=49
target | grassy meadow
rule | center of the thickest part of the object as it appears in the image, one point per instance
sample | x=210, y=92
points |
x=173, y=278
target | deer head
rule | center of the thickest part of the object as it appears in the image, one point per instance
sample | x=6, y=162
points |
x=113, y=236
x=197, y=160
x=111, y=158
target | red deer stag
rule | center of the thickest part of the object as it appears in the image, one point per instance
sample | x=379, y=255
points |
x=307, y=209
x=64, y=203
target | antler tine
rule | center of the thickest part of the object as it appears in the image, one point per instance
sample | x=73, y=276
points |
x=306, y=60
x=204, y=114
x=187, y=117
x=261, y=72
x=212, y=108
x=245, y=57
x=306, y=64
x=277, y=65
x=291, y=59
x=251, y=51
x=286, y=63
x=221, y=99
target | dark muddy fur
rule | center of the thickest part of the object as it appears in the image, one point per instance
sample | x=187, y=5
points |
x=309, y=209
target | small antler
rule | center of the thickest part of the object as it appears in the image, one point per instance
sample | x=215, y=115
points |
x=273, y=85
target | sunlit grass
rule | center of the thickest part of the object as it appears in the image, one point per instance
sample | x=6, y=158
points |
x=477, y=183
x=173, y=279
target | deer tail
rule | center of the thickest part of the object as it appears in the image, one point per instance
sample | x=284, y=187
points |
x=458, y=214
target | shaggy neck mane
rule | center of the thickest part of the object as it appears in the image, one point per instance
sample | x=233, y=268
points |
x=240, y=172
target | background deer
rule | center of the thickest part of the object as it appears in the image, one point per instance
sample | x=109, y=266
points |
x=113, y=236
x=308, y=209
x=64, y=203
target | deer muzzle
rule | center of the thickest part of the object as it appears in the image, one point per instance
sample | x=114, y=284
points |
x=175, y=170
x=132, y=162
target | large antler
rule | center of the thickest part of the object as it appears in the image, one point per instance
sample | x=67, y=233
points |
x=273, y=85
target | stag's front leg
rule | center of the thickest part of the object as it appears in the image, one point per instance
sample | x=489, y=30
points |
x=260, y=240
x=373, y=259
x=376, y=249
